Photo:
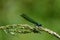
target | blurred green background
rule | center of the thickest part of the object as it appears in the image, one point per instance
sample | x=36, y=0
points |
x=46, y=12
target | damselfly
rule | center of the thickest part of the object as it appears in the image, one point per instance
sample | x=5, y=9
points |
x=30, y=20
